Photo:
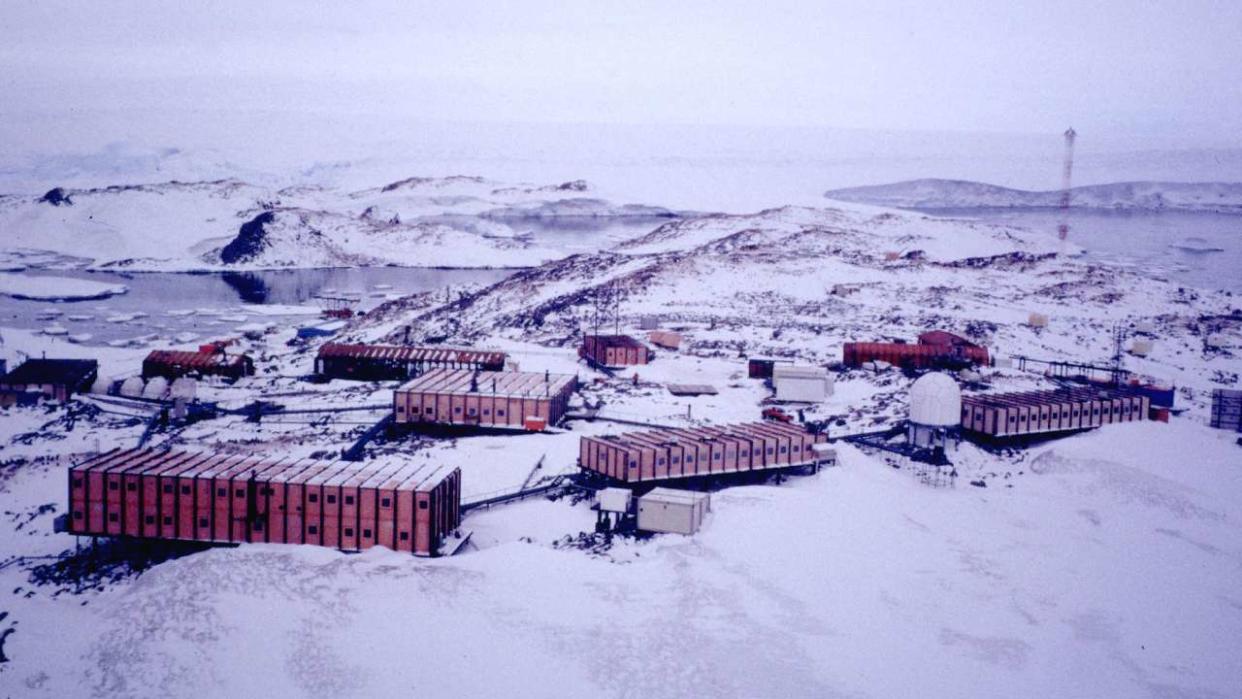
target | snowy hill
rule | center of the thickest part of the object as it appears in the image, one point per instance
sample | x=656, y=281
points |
x=1104, y=564
x=417, y=222
x=930, y=194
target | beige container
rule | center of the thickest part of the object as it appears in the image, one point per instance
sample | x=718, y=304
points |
x=671, y=511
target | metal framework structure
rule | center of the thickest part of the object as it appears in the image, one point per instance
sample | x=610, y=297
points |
x=397, y=363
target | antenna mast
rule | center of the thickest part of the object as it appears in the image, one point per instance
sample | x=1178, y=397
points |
x=1066, y=176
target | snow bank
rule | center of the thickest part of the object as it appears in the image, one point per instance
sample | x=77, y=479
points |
x=21, y=286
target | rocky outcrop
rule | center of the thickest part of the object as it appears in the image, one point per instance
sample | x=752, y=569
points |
x=250, y=240
x=57, y=196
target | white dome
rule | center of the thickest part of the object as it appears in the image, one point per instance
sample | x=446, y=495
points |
x=936, y=400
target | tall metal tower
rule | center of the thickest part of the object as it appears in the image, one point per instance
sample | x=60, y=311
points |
x=1066, y=176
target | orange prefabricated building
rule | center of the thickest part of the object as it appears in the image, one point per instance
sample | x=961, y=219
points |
x=920, y=356
x=394, y=362
x=668, y=454
x=192, y=496
x=500, y=399
x=1035, y=412
x=614, y=350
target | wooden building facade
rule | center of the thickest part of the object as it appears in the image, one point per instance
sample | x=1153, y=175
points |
x=1061, y=410
x=669, y=454
x=496, y=399
x=211, y=497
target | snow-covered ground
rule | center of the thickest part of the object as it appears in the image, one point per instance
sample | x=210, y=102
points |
x=1104, y=564
x=230, y=224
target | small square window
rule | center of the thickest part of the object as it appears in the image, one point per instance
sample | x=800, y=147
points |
x=112, y=517
x=430, y=410
x=784, y=450
x=113, y=485
x=185, y=490
x=202, y=523
x=331, y=499
x=77, y=482
x=422, y=505
x=313, y=497
x=150, y=519
x=472, y=412
x=501, y=413
x=240, y=492
x=167, y=521
x=77, y=515
x=312, y=529
x=349, y=499
x=366, y=533
x=405, y=536
x=385, y=502
x=131, y=486
x=349, y=531
x=221, y=492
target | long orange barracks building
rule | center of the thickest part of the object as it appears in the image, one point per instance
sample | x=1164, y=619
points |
x=211, y=497
x=671, y=453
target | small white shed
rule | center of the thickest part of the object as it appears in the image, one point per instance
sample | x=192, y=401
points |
x=673, y=511
x=801, y=384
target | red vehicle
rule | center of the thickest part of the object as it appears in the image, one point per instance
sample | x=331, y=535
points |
x=776, y=415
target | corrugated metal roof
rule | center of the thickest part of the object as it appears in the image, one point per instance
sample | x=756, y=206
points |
x=413, y=354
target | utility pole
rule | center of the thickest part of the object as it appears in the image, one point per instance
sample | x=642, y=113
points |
x=1066, y=178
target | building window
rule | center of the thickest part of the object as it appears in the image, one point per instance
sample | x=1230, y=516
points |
x=131, y=487
x=331, y=499
x=112, y=517
x=401, y=408
x=349, y=499
x=149, y=519
x=457, y=410
x=405, y=536
x=312, y=529
x=660, y=461
x=487, y=411
x=430, y=410
x=240, y=492
x=472, y=412
x=769, y=451
x=349, y=531
x=500, y=412
x=385, y=502
x=689, y=459
x=422, y=505
x=167, y=521
x=784, y=450
x=202, y=523
x=77, y=482
x=313, y=497
x=366, y=533
x=716, y=456
x=185, y=490
x=168, y=488
x=221, y=492
x=77, y=514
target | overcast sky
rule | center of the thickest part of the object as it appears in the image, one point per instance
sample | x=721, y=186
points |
x=1112, y=65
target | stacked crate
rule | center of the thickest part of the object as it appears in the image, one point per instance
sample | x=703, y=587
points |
x=191, y=496
x=669, y=454
x=1062, y=410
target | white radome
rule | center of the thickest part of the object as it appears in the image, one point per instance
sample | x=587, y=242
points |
x=936, y=401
